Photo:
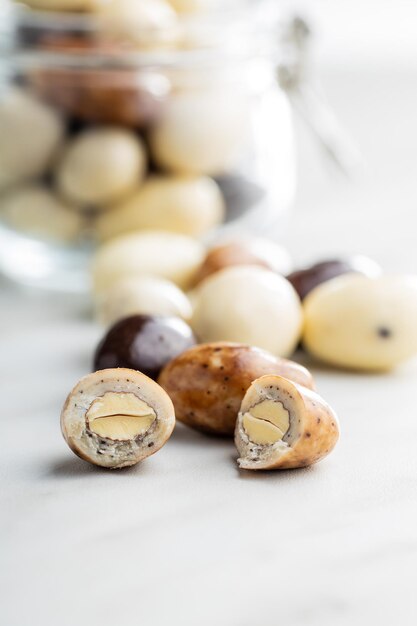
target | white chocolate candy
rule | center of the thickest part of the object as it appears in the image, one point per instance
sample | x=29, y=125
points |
x=36, y=211
x=251, y=305
x=178, y=204
x=145, y=295
x=362, y=323
x=30, y=134
x=101, y=165
x=201, y=132
x=153, y=253
x=148, y=24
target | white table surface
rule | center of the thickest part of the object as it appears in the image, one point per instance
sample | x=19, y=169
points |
x=186, y=539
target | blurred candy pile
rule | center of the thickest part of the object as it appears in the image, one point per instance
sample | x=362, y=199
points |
x=95, y=148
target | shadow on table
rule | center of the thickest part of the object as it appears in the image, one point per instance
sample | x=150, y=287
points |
x=337, y=371
x=189, y=436
x=74, y=468
x=268, y=475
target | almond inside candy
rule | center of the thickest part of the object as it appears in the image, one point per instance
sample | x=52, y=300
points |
x=266, y=422
x=120, y=416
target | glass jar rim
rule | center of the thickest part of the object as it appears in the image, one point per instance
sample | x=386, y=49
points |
x=246, y=29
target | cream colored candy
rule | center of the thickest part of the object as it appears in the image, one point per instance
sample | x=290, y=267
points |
x=178, y=204
x=63, y=5
x=251, y=305
x=101, y=166
x=142, y=294
x=362, y=323
x=147, y=24
x=201, y=132
x=153, y=253
x=117, y=417
x=30, y=135
x=34, y=210
x=282, y=425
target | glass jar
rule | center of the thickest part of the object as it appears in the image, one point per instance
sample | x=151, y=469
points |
x=112, y=122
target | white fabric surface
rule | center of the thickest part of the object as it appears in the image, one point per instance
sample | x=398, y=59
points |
x=186, y=539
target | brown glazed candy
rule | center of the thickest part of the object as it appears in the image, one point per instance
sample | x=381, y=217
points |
x=207, y=383
x=144, y=343
x=233, y=253
x=307, y=279
x=108, y=96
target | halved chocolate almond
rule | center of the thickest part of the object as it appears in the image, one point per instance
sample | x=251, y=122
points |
x=117, y=417
x=282, y=425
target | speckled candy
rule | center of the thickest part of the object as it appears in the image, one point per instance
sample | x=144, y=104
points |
x=207, y=383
